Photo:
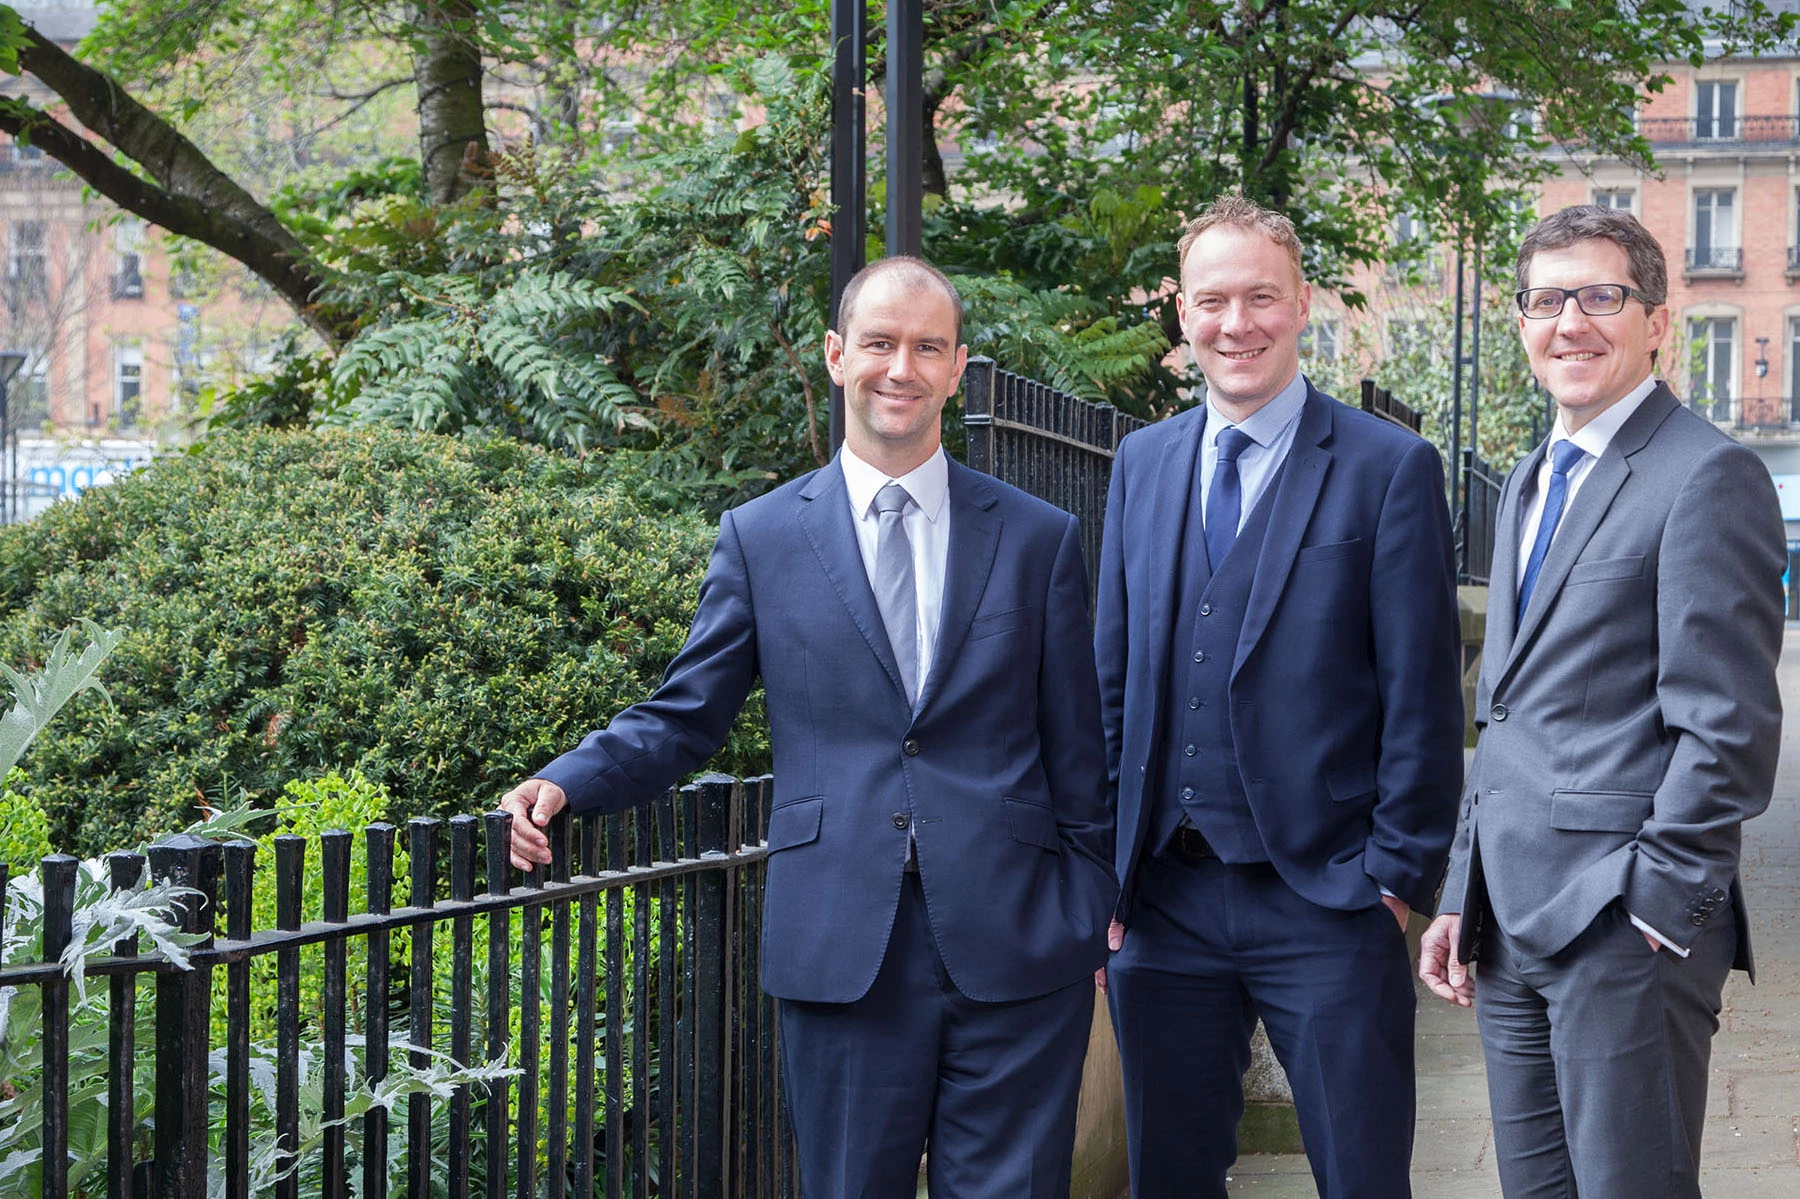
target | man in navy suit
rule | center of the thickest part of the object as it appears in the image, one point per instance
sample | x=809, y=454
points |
x=1277, y=642
x=938, y=875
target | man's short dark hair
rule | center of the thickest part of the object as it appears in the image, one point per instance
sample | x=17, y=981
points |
x=1649, y=280
x=914, y=272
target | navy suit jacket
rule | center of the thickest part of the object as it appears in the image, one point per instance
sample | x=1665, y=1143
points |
x=999, y=769
x=1346, y=706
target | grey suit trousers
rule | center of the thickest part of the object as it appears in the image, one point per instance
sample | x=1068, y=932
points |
x=1597, y=1059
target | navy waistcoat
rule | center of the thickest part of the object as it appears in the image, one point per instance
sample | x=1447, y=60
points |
x=1200, y=776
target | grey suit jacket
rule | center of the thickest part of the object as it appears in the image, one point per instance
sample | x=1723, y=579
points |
x=1631, y=725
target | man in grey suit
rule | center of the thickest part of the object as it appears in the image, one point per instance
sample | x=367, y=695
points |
x=1630, y=724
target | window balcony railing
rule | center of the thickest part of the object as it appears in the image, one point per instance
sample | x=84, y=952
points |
x=1719, y=409
x=1715, y=258
x=1793, y=260
x=1762, y=414
x=1702, y=131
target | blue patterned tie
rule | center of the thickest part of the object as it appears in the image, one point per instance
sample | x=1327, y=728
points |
x=1563, y=457
x=1225, y=497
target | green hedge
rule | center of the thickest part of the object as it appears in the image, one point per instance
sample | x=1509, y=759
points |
x=440, y=614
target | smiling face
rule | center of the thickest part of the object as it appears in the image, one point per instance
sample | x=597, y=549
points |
x=1242, y=306
x=898, y=362
x=1589, y=363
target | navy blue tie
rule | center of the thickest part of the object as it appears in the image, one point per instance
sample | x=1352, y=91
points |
x=1563, y=457
x=1225, y=497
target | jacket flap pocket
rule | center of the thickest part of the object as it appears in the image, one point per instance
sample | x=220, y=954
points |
x=1606, y=568
x=1601, y=811
x=1350, y=782
x=1032, y=823
x=997, y=622
x=796, y=823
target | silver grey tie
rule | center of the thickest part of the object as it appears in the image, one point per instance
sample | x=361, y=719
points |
x=895, y=593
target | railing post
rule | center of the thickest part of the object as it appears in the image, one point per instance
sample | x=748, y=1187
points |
x=712, y=1049
x=978, y=412
x=183, y=1013
x=59, y=917
x=125, y=871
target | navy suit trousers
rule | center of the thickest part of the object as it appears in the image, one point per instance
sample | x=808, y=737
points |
x=1211, y=947
x=991, y=1087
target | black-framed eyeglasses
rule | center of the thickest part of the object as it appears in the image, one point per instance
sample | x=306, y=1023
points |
x=1596, y=299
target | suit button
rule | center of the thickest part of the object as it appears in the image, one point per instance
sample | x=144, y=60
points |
x=1498, y=712
x=1206, y=609
x=1187, y=793
x=910, y=747
x=1699, y=919
x=900, y=820
x=1190, y=751
x=1194, y=702
x=1199, y=655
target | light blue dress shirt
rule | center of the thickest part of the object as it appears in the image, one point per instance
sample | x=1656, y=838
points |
x=1271, y=430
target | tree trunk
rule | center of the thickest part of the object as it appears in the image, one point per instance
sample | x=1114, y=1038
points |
x=185, y=194
x=453, y=141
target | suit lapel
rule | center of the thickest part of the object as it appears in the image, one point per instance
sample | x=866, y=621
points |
x=1170, y=494
x=974, y=537
x=1503, y=575
x=1587, y=510
x=1296, y=494
x=824, y=516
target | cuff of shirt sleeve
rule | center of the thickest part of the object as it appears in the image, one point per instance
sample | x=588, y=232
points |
x=1667, y=944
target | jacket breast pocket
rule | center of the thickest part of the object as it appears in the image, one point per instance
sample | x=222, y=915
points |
x=796, y=823
x=1605, y=569
x=1600, y=811
x=995, y=623
x=1032, y=824
x=1330, y=550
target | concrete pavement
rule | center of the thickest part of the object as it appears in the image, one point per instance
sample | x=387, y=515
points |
x=1752, y=1145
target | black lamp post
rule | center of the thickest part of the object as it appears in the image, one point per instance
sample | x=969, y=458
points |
x=905, y=146
x=11, y=362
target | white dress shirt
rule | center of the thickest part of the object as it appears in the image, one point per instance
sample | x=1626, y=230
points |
x=927, y=524
x=1592, y=437
x=1271, y=431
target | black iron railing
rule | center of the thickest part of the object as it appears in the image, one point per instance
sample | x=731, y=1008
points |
x=648, y=982
x=1479, y=518
x=1049, y=443
x=1390, y=407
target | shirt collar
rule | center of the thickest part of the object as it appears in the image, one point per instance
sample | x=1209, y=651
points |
x=1265, y=424
x=928, y=483
x=1598, y=433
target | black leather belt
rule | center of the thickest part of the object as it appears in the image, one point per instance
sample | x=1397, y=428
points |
x=1188, y=845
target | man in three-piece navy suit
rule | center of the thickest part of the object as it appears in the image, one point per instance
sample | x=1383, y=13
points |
x=1277, y=642
x=939, y=874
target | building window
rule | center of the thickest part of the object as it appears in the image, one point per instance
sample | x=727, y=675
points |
x=1793, y=404
x=29, y=396
x=1319, y=340
x=1715, y=110
x=1619, y=199
x=25, y=262
x=1412, y=239
x=128, y=385
x=1712, y=345
x=1714, y=245
x=128, y=260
